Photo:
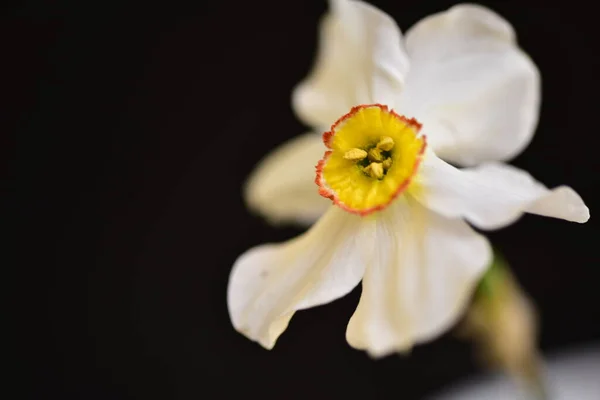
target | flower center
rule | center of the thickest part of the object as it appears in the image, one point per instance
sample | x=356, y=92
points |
x=374, y=154
x=374, y=161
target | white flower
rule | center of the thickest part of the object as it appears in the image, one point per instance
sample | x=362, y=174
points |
x=398, y=219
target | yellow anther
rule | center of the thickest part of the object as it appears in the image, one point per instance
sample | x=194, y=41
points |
x=375, y=170
x=375, y=155
x=387, y=163
x=386, y=143
x=355, y=154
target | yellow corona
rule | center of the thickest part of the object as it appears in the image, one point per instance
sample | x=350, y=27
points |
x=373, y=155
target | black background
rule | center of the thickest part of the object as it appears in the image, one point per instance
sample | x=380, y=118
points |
x=136, y=127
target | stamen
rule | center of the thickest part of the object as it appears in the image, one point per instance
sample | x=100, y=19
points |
x=375, y=170
x=355, y=154
x=387, y=163
x=375, y=155
x=386, y=143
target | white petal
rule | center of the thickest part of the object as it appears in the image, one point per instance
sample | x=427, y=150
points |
x=360, y=61
x=282, y=188
x=493, y=195
x=475, y=91
x=420, y=280
x=270, y=282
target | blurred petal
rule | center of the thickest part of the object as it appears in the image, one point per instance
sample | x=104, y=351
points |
x=360, y=60
x=423, y=272
x=475, y=91
x=282, y=188
x=493, y=195
x=270, y=282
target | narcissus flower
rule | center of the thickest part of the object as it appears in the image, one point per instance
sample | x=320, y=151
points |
x=398, y=219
